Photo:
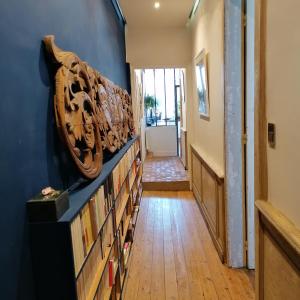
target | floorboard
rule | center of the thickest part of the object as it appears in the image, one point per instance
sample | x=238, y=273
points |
x=173, y=256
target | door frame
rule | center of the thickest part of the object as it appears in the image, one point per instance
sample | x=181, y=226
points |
x=249, y=53
x=234, y=131
x=260, y=130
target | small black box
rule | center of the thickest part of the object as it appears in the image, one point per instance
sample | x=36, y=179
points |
x=48, y=208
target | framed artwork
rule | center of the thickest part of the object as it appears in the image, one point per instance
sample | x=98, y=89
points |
x=202, y=85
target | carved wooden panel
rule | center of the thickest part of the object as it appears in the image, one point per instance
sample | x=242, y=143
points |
x=92, y=113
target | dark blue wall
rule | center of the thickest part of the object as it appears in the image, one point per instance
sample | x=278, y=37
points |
x=31, y=155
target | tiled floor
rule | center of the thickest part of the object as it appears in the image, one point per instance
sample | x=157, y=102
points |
x=164, y=169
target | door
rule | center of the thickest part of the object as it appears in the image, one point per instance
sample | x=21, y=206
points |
x=162, y=102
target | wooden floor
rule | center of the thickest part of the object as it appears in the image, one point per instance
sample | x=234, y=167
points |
x=173, y=256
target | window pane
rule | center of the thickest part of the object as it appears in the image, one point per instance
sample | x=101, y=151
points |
x=177, y=76
x=160, y=113
x=149, y=82
x=149, y=97
x=170, y=96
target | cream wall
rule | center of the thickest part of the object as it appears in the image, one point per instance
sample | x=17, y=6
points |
x=155, y=48
x=283, y=104
x=161, y=140
x=207, y=31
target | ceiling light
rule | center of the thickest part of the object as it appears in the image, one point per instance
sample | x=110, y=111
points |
x=156, y=5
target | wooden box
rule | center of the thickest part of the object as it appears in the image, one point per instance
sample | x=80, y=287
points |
x=48, y=208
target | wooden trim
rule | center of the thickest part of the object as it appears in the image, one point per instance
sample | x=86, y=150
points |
x=271, y=224
x=244, y=130
x=260, y=148
x=224, y=135
x=213, y=170
x=183, y=143
x=283, y=230
x=261, y=166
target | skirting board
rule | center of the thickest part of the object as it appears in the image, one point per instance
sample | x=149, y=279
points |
x=164, y=153
x=167, y=186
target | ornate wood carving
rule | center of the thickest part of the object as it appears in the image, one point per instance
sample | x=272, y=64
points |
x=92, y=113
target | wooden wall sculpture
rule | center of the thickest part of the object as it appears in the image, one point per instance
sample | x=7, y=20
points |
x=92, y=114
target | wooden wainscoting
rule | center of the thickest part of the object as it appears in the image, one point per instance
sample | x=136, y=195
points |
x=183, y=147
x=277, y=255
x=208, y=188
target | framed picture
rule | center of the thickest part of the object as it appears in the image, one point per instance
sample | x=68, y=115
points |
x=202, y=85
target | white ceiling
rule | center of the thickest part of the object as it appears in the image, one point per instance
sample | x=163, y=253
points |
x=142, y=14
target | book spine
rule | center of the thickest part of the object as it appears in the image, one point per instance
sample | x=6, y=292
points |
x=111, y=272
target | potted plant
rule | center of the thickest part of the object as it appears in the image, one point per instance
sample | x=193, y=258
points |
x=149, y=103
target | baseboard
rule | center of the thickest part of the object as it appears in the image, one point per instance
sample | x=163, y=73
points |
x=167, y=186
x=164, y=153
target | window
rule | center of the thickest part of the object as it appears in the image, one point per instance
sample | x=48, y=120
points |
x=159, y=96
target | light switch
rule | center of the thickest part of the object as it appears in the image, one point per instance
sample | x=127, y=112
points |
x=272, y=135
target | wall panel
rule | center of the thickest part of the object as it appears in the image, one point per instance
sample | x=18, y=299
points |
x=278, y=254
x=208, y=188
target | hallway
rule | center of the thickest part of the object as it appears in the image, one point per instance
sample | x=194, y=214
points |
x=173, y=255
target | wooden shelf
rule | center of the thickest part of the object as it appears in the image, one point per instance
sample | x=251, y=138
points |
x=55, y=240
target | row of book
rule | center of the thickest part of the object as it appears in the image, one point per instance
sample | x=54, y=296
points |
x=86, y=226
x=102, y=232
x=95, y=264
x=121, y=170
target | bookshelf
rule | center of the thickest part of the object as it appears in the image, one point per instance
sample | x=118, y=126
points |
x=84, y=254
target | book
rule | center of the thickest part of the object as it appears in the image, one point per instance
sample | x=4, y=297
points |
x=111, y=272
x=77, y=244
x=107, y=234
x=95, y=221
x=86, y=225
x=101, y=206
x=126, y=251
x=80, y=288
x=91, y=267
x=112, y=269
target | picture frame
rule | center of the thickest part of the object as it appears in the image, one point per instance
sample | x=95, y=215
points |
x=201, y=70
